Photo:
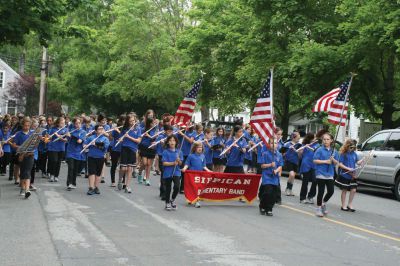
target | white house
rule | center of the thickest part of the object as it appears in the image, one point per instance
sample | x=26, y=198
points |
x=7, y=77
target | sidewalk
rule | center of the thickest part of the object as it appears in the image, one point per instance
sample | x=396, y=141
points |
x=32, y=245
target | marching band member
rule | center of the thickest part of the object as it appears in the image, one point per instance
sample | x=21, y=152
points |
x=208, y=152
x=115, y=152
x=271, y=165
x=148, y=115
x=186, y=144
x=217, y=145
x=196, y=161
x=236, y=152
x=75, y=158
x=291, y=160
x=6, y=158
x=131, y=137
x=172, y=158
x=145, y=153
x=325, y=160
x=97, y=144
x=168, y=131
x=26, y=160
x=346, y=180
x=56, y=148
x=307, y=169
x=14, y=164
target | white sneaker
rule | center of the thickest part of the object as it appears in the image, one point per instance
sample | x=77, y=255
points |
x=197, y=204
x=173, y=205
x=72, y=186
x=51, y=179
x=22, y=192
x=168, y=207
x=32, y=188
x=55, y=179
x=319, y=212
x=128, y=190
x=309, y=201
x=324, y=210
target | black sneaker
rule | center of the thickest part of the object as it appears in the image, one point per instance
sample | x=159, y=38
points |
x=269, y=213
x=96, y=190
x=27, y=194
x=262, y=211
x=91, y=191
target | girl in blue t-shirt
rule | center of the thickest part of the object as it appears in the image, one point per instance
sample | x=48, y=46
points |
x=217, y=145
x=235, y=151
x=346, y=180
x=307, y=169
x=291, y=160
x=208, y=152
x=5, y=141
x=325, y=160
x=172, y=158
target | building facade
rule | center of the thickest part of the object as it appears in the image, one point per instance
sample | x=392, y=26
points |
x=8, y=76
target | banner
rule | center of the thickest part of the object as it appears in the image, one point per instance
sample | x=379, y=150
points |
x=213, y=186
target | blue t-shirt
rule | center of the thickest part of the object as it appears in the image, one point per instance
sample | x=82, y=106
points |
x=186, y=145
x=349, y=159
x=169, y=156
x=58, y=145
x=160, y=145
x=100, y=147
x=196, y=162
x=268, y=176
x=236, y=156
x=199, y=137
x=307, y=160
x=291, y=154
x=88, y=128
x=208, y=153
x=115, y=137
x=146, y=141
x=74, y=148
x=260, y=149
x=217, y=140
x=134, y=133
x=4, y=137
x=326, y=170
x=249, y=154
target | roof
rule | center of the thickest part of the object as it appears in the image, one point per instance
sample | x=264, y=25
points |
x=8, y=68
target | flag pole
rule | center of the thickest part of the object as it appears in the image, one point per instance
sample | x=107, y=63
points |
x=341, y=114
x=272, y=111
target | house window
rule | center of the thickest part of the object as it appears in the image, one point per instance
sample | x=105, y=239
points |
x=12, y=107
x=2, y=79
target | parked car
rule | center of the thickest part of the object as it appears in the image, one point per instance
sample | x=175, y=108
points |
x=383, y=168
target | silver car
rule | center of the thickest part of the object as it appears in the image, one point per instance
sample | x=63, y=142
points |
x=383, y=167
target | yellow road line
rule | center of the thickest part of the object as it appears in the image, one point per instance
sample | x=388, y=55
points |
x=345, y=224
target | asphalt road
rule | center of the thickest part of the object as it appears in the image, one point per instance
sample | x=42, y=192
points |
x=58, y=227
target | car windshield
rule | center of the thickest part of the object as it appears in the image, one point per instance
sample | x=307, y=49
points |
x=376, y=142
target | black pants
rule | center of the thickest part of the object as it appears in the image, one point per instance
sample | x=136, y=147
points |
x=4, y=161
x=268, y=197
x=308, y=177
x=168, y=184
x=11, y=172
x=329, y=183
x=55, y=158
x=33, y=171
x=42, y=161
x=73, y=170
x=234, y=169
x=114, y=163
x=162, y=183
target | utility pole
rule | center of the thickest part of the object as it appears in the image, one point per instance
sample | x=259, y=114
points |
x=43, y=87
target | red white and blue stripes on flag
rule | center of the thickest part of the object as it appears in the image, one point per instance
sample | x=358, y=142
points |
x=262, y=118
x=186, y=109
x=336, y=104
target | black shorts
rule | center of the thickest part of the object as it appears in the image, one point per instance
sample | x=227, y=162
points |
x=234, y=169
x=128, y=157
x=146, y=152
x=344, y=183
x=95, y=166
x=247, y=162
x=219, y=161
x=289, y=166
x=209, y=166
x=26, y=167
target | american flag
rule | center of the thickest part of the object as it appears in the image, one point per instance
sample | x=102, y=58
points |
x=186, y=108
x=262, y=119
x=335, y=115
x=333, y=103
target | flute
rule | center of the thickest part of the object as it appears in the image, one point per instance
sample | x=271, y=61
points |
x=157, y=142
x=62, y=136
x=306, y=146
x=56, y=132
x=89, y=133
x=148, y=131
x=91, y=143
x=7, y=140
x=126, y=134
x=157, y=134
x=230, y=146
x=255, y=146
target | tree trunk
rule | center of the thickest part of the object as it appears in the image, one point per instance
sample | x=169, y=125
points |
x=388, y=97
x=205, y=113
